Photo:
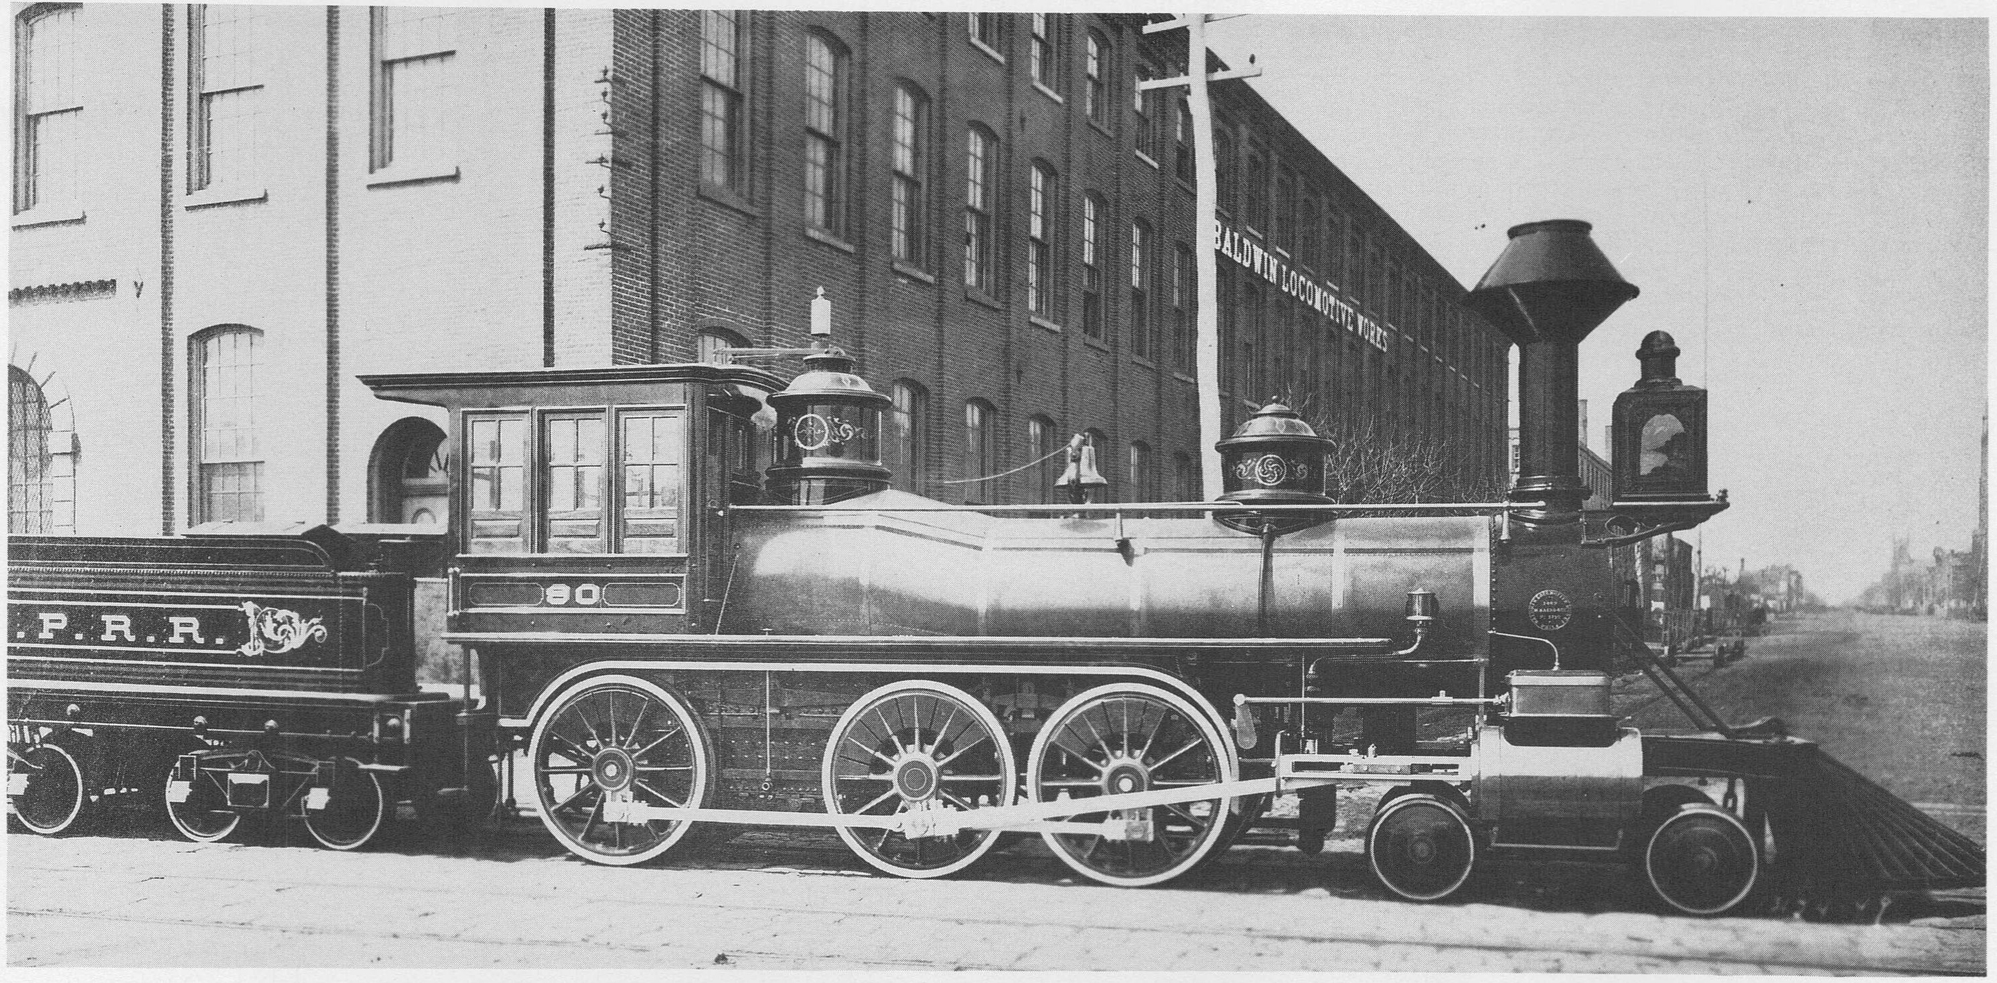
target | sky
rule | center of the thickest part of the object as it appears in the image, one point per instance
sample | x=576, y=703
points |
x=1804, y=203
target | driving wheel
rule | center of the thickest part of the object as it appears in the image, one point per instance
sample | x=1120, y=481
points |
x=1130, y=737
x=913, y=746
x=611, y=748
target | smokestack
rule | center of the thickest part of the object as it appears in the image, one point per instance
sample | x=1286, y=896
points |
x=1549, y=289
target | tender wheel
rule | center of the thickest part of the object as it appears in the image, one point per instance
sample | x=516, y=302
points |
x=1132, y=738
x=45, y=788
x=199, y=808
x=618, y=740
x=1702, y=861
x=353, y=812
x=917, y=745
x=1421, y=846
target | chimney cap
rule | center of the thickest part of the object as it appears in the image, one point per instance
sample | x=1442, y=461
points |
x=1550, y=283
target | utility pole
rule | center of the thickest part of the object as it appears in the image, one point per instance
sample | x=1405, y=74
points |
x=1206, y=348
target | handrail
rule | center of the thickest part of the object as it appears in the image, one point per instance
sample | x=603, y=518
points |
x=1113, y=508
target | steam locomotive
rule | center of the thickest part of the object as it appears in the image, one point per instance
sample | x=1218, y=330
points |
x=695, y=602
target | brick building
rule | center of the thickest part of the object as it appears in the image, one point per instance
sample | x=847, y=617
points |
x=223, y=214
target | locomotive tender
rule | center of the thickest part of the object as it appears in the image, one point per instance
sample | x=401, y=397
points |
x=683, y=631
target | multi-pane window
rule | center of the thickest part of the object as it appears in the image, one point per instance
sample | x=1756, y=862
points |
x=980, y=456
x=1098, y=444
x=1255, y=192
x=985, y=30
x=1043, y=59
x=1143, y=105
x=652, y=451
x=1310, y=234
x=1095, y=75
x=1185, y=480
x=414, y=48
x=497, y=489
x=1040, y=448
x=1143, y=473
x=711, y=345
x=1182, y=142
x=229, y=468
x=909, y=222
x=48, y=120
x=1282, y=234
x=1041, y=204
x=574, y=483
x=1095, y=213
x=1225, y=171
x=1253, y=381
x=824, y=134
x=980, y=186
x=723, y=150
x=228, y=97
x=1182, y=308
x=902, y=452
x=1140, y=289
x=30, y=481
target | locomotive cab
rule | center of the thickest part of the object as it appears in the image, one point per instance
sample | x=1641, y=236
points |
x=585, y=500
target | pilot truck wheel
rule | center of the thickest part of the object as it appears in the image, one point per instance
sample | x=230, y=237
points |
x=1701, y=861
x=1421, y=846
x=1129, y=737
x=917, y=745
x=609, y=749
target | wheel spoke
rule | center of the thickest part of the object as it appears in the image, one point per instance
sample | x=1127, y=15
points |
x=877, y=800
x=575, y=750
x=940, y=730
x=637, y=722
x=577, y=712
x=1160, y=763
x=864, y=747
x=954, y=755
x=641, y=752
x=587, y=787
x=658, y=768
x=647, y=786
x=565, y=769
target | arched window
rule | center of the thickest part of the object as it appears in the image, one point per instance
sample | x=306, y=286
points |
x=1104, y=462
x=1143, y=473
x=1043, y=203
x=1045, y=58
x=48, y=106
x=723, y=94
x=1095, y=71
x=1185, y=480
x=1040, y=444
x=1143, y=112
x=825, y=82
x=710, y=344
x=980, y=456
x=980, y=191
x=1140, y=289
x=906, y=422
x=223, y=401
x=1225, y=169
x=409, y=474
x=30, y=478
x=909, y=222
x=1095, y=219
x=1182, y=307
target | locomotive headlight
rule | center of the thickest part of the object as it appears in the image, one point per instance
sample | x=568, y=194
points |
x=390, y=729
